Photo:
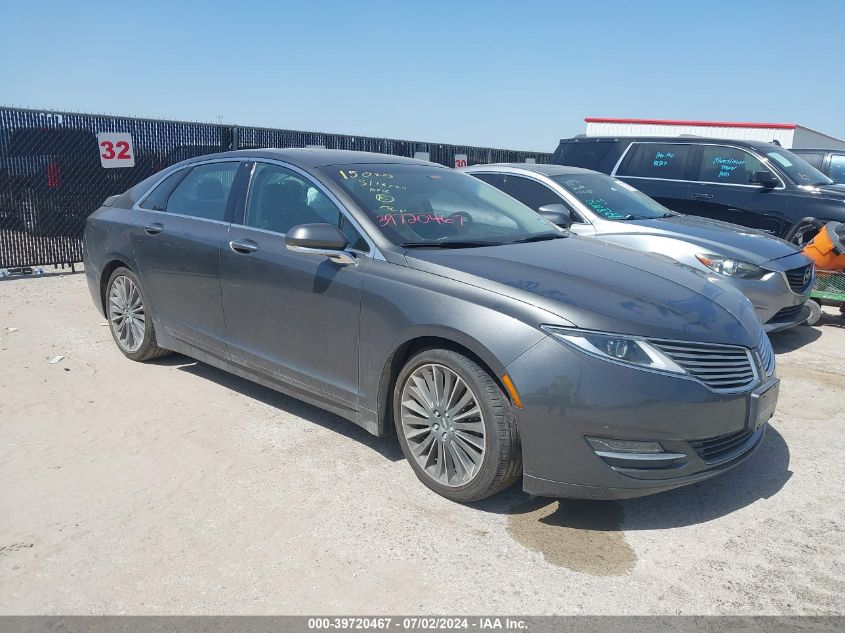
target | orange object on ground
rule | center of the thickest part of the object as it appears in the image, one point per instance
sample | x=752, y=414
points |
x=827, y=249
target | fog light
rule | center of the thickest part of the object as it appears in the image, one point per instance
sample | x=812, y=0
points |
x=623, y=446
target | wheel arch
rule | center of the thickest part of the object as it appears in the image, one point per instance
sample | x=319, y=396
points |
x=112, y=264
x=417, y=342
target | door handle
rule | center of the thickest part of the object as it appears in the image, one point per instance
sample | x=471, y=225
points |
x=244, y=248
x=154, y=229
x=702, y=196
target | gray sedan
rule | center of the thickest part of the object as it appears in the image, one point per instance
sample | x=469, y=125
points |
x=771, y=272
x=416, y=300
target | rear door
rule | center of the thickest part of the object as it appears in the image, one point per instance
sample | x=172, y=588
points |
x=183, y=223
x=722, y=190
x=660, y=170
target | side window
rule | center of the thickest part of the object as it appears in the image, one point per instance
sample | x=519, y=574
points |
x=837, y=168
x=814, y=158
x=356, y=241
x=490, y=179
x=280, y=199
x=157, y=200
x=535, y=195
x=530, y=192
x=657, y=160
x=204, y=192
x=727, y=165
x=589, y=154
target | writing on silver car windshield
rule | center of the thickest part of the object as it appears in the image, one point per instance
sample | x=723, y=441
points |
x=611, y=199
x=417, y=205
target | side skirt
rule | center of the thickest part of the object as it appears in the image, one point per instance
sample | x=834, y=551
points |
x=364, y=419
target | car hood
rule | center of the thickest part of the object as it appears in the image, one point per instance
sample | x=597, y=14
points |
x=710, y=236
x=597, y=285
x=831, y=192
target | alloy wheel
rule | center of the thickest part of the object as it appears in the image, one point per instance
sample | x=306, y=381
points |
x=443, y=424
x=126, y=313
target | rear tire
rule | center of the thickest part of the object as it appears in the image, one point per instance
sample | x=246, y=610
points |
x=130, y=321
x=456, y=427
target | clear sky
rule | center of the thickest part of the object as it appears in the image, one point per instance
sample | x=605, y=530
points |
x=511, y=74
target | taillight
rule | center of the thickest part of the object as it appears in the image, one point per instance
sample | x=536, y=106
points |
x=54, y=175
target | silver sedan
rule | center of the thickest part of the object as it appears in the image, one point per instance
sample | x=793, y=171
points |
x=771, y=272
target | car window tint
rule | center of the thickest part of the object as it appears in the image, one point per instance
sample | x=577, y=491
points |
x=814, y=158
x=657, y=160
x=280, y=199
x=356, y=240
x=490, y=179
x=589, y=154
x=204, y=192
x=530, y=192
x=535, y=194
x=728, y=165
x=157, y=200
x=837, y=168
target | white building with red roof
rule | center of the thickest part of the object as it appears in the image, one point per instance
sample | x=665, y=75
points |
x=787, y=134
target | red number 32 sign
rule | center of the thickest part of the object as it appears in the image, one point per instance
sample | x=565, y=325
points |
x=116, y=149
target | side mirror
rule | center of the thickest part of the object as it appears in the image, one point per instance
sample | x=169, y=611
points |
x=323, y=240
x=763, y=177
x=557, y=214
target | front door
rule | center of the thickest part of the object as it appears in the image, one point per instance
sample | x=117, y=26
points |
x=291, y=315
x=722, y=190
x=177, y=248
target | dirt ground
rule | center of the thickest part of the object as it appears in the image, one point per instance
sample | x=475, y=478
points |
x=175, y=488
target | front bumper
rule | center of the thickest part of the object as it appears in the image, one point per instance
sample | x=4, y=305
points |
x=568, y=396
x=776, y=303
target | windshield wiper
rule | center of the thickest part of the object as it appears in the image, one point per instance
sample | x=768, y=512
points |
x=539, y=238
x=449, y=244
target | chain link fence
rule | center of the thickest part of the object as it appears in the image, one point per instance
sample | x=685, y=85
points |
x=55, y=168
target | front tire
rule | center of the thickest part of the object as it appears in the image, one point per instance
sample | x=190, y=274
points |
x=456, y=427
x=129, y=318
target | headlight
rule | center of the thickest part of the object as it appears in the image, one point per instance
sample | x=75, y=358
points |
x=616, y=347
x=731, y=267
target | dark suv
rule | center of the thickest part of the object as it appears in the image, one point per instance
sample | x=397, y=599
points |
x=754, y=184
x=831, y=162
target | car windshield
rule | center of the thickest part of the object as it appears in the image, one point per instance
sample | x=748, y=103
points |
x=428, y=206
x=799, y=170
x=611, y=199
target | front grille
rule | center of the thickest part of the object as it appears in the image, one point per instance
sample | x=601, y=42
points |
x=796, y=279
x=721, y=447
x=767, y=354
x=721, y=367
x=787, y=314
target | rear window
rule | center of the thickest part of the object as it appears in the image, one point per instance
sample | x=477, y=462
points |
x=657, y=160
x=157, y=200
x=204, y=192
x=586, y=154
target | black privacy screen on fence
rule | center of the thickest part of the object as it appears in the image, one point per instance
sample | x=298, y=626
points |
x=57, y=167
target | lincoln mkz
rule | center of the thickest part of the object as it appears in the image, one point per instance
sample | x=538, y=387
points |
x=413, y=299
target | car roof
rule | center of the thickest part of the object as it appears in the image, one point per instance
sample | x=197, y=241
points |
x=315, y=157
x=546, y=170
x=823, y=150
x=668, y=139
